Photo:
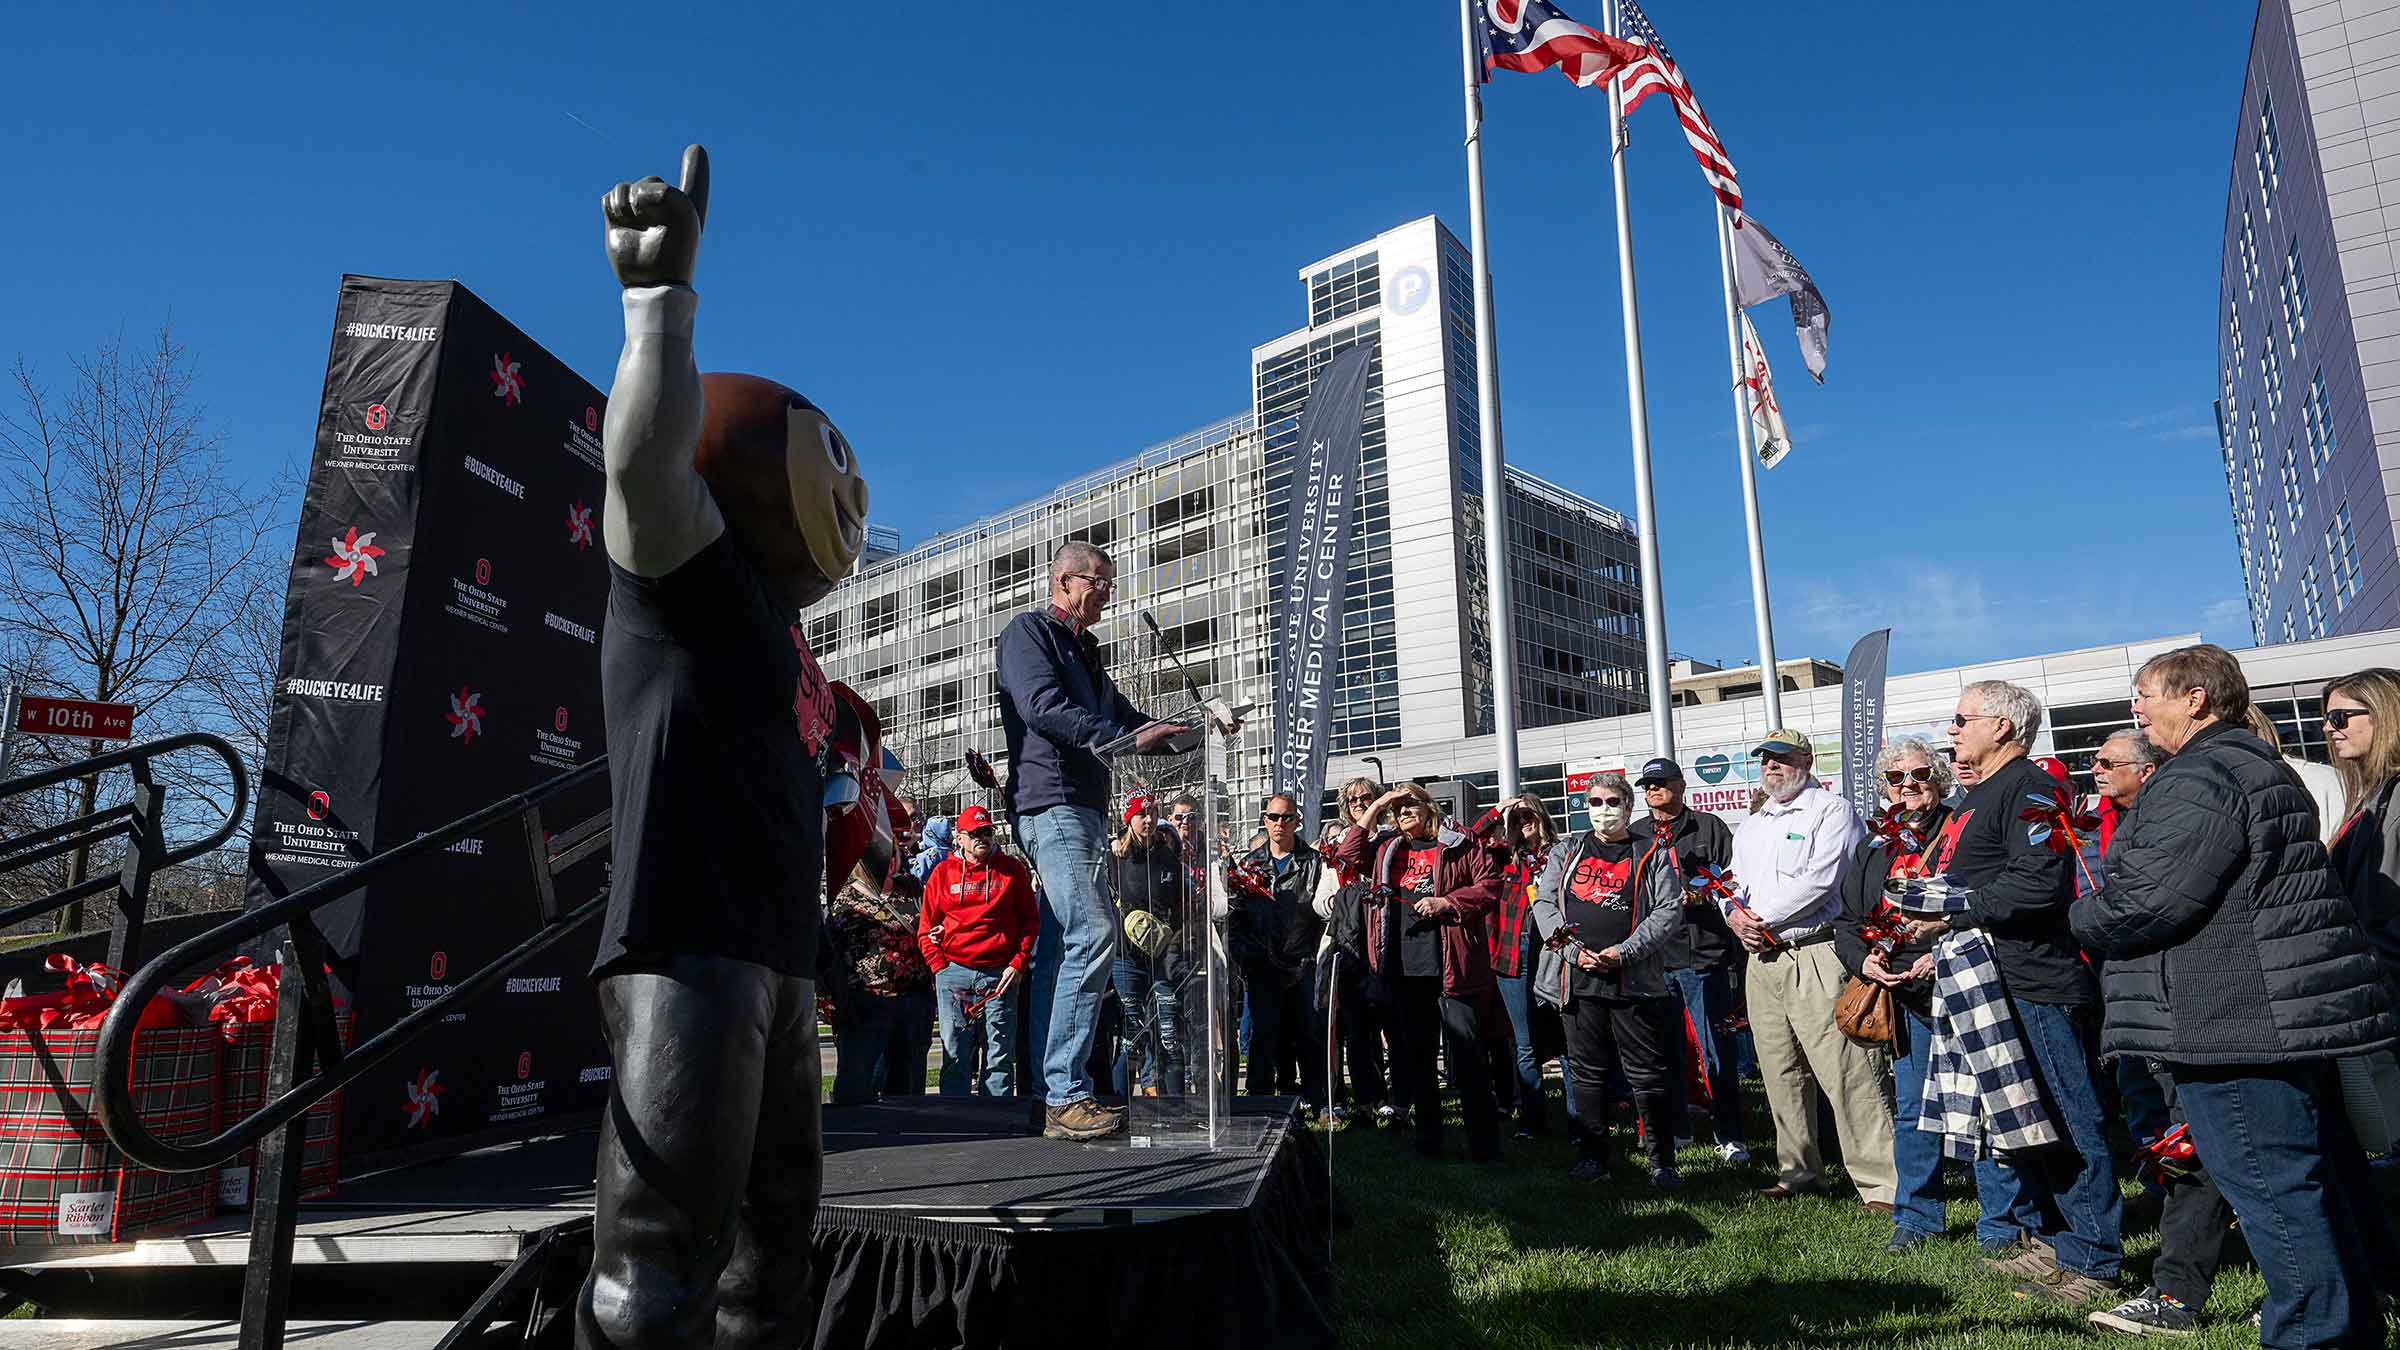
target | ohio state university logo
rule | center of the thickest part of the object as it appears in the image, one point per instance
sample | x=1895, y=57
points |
x=424, y=1097
x=354, y=555
x=483, y=571
x=438, y=967
x=558, y=721
x=319, y=806
x=508, y=379
x=579, y=526
x=465, y=716
x=378, y=417
x=591, y=418
x=524, y=1065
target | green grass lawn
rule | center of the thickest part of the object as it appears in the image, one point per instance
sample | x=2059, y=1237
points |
x=1454, y=1256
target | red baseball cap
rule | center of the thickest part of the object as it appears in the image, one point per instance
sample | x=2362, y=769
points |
x=974, y=818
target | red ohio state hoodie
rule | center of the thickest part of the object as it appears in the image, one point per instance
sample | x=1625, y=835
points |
x=985, y=911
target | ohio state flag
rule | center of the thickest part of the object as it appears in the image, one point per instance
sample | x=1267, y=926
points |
x=1768, y=435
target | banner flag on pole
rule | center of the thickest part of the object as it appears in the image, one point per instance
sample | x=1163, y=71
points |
x=1656, y=71
x=1316, y=568
x=1862, y=720
x=1771, y=438
x=1763, y=269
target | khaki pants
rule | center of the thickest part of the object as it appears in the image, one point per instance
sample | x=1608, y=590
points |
x=1800, y=1049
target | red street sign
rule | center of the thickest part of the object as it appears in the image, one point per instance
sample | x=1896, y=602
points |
x=75, y=717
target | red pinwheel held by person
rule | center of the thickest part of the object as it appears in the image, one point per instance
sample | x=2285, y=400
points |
x=1708, y=884
x=1884, y=929
x=2055, y=819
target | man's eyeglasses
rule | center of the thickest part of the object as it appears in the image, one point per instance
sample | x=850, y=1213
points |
x=1282, y=815
x=1961, y=719
x=984, y=834
x=2103, y=764
x=1923, y=773
x=1093, y=580
x=2339, y=718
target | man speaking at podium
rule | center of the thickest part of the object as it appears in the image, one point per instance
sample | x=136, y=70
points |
x=1058, y=708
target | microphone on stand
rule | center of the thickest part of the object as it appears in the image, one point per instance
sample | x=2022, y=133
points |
x=1189, y=686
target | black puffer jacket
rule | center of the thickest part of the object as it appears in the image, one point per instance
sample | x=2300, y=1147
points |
x=2366, y=856
x=2228, y=939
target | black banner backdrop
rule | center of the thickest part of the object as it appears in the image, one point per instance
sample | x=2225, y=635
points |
x=1316, y=568
x=440, y=652
x=1862, y=720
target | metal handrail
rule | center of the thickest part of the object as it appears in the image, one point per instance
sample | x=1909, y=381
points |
x=113, y=1056
x=110, y=822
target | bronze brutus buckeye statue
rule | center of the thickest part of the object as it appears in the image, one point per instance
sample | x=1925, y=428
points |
x=732, y=502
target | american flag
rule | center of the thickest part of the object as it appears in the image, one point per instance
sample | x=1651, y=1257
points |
x=1533, y=35
x=1654, y=70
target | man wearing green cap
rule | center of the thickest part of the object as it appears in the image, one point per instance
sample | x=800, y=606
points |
x=1787, y=859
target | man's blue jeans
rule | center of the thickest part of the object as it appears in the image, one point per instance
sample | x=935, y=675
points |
x=990, y=1035
x=1917, y=1206
x=2076, y=1179
x=1069, y=848
x=2277, y=1142
x=862, y=1037
x=1707, y=996
x=1516, y=996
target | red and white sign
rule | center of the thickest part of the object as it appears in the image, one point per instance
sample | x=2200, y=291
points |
x=75, y=717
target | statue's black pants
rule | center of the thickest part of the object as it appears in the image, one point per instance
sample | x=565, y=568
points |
x=710, y=1160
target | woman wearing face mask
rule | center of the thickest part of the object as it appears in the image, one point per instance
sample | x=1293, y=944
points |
x=1915, y=780
x=1610, y=903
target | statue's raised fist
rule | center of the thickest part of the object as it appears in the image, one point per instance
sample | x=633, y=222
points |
x=653, y=231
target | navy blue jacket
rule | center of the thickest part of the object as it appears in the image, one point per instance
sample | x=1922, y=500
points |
x=1057, y=707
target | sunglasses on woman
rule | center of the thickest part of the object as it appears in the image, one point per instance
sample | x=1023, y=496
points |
x=2339, y=718
x=1923, y=773
x=1606, y=801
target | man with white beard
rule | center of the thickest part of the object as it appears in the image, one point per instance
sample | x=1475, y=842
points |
x=1787, y=861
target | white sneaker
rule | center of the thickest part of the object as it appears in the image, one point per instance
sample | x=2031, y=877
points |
x=1733, y=1153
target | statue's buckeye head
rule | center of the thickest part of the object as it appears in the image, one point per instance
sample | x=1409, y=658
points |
x=786, y=481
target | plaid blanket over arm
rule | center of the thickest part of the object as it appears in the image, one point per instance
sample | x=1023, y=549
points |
x=1980, y=1094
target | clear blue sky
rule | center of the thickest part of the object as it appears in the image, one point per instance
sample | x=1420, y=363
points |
x=1003, y=244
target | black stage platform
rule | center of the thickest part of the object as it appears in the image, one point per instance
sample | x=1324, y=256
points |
x=946, y=1222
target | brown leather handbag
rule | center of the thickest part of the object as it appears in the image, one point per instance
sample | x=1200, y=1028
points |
x=1867, y=1013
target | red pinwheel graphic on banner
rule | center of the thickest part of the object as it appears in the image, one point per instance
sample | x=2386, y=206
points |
x=579, y=526
x=465, y=716
x=2057, y=822
x=424, y=1097
x=354, y=556
x=508, y=379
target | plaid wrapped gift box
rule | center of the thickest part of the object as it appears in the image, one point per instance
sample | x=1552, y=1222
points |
x=245, y=1090
x=61, y=1181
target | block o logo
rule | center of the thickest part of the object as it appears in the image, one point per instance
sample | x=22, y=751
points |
x=483, y=571
x=378, y=417
x=439, y=966
x=524, y=1064
x=558, y=721
x=319, y=806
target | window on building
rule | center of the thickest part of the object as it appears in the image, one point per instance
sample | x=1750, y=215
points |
x=878, y=616
x=1099, y=534
x=2268, y=155
x=2233, y=333
x=2295, y=299
x=1191, y=543
x=946, y=699
x=2292, y=501
x=2270, y=373
x=2320, y=425
x=1179, y=508
x=1343, y=289
x=825, y=633
x=943, y=591
x=2341, y=558
x=1010, y=572
x=2274, y=548
x=2312, y=600
x=2289, y=634
x=2249, y=254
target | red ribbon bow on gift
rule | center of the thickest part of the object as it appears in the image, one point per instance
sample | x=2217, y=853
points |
x=2170, y=1156
x=82, y=1005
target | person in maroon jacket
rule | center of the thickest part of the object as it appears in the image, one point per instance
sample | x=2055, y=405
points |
x=977, y=929
x=1426, y=945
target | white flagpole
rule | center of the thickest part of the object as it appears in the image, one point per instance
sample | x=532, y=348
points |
x=1487, y=419
x=1770, y=681
x=1645, y=511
